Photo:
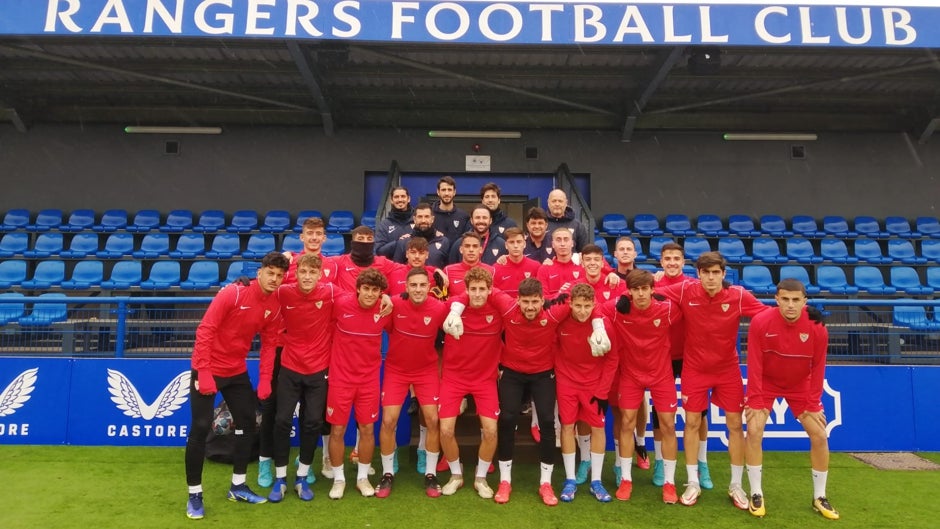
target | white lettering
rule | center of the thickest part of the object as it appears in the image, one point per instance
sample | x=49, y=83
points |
x=633, y=14
x=779, y=411
x=293, y=6
x=903, y=23
x=398, y=16
x=255, y=14
x=546, y=11
x=843, y=25
x=513, y=13
x=669, y=27
x=462, y=15
x=14, y=430
x=119, y=16
x=172, y=22
x=147, y=430
x=760, y=25
x=706, y=18
x=53, y=13
x=806, y=27
x=355, y=26
x=588, y=16
x=227, y=19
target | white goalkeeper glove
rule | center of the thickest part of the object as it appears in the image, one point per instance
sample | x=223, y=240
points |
x=453, y=325
x=599, y=341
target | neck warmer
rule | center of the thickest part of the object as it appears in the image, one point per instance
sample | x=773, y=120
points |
x=361, y=253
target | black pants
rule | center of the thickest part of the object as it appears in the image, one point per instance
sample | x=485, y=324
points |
x=268, y=411
x=310, y=391
x=512, y=385
x=242, y=402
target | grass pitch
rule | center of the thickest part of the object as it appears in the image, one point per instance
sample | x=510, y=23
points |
x=104, y=487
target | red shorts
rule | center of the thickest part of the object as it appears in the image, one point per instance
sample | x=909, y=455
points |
x=797, y=402
x=395, y=387
x=484, y=395
x=341, y=399
x=574, y=404
x=727, y=390
x=612, y=397
x=663, y=392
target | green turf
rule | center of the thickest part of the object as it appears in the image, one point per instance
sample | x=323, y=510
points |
x=104, y=487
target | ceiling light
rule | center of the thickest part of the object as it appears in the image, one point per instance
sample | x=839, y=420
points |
x=490, y=134
x=769, y=136
x=135, y=129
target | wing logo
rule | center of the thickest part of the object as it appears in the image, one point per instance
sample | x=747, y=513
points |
x=16, y=394
x=128, y=399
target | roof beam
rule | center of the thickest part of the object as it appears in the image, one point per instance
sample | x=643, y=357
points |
x=929, y=130
x=664, y=63
x=310, y=79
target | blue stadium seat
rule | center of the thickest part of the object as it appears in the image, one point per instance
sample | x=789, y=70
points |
x=742, y=226
x=124, y=275
x=341, y=221
x=869, y=251
x=710, y=226
x=835, y=250
x=47, y=274
x=304, y=215
x=837, y=226
x=111, y=220
x=117, y=245
x=189, y=246
x=202, y=275
x=933, y=277
x=801, y=250
x=333, y=245
x=614, y=224
x=869, y=227
x=647, y=225
x=799, y=273
x=928, y=227
x=240, y=268
x=47, y=245
x=292, y=244
x=259, y=245
x=224, y=246
x=695, y=246
x=601, y=243
x=46, y=313
x=276, y=221
x=210, y=221
x=903, y=250
x=767, y=250
x=368, y=218
x=774, y=225
x=914, y=317
x=79, y=220
x=871, y=280
x=831, y=278
x=178, y=221
x=85, y=275
x=930, y=250
x=243, y=221
x=153, y=246
x=679, y=225
x=757, y=279
x=163, y=275
x=12, y=307
x=82, y=245
x=47, y=219
x=900, y=227
x=15, y=219
x=806, y=226
x=12, y=273
x=732, y=248
x=145, y=220
x=906, y=278
x=656, y=247
x=13, y=244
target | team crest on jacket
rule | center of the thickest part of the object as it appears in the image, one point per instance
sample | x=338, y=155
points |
x=495, y=251
x=326, y=272
x=329, y=410
x=528, y=275
x=489, y=318
x=391, y=229
x=656, y=322
x=266, y=314
x=804, y=336
x=437, y=245
x=427, y=320
x=607, y=295
x=575, y=274
x=725, y=307
x=549, y=251
x=543, y=322
x=456, y=223
x=502, y=229
x=375, y=318
x=319, y=304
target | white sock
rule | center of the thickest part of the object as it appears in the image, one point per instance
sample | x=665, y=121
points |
x=568, y=460
x=737, y=474
x=617, y=451
x=669, y=470
x=455, y=469
x=657, y=450
x=505, y=471
x=545, y=472
x=597, y=465
x=692, y=472
x=703, y=451
x=819, y=483
x=422, y=437
x=388, y=463
x=338, y=474
x=482, y=468
x=626, y=468
x=754, y=478
x=584, y=446
x=302, y=470
x=239, y=479
x=363, y=471
x=280, y=472
x=640, y=438
x=195, y=489
x=431, y=464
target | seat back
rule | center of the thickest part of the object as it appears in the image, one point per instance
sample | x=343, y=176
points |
x=117, y=245
x=837, y=225
x=870, y=279
x=767, y=249
x=656, y=247
x=259, y=244
x=928, y=226
x=832, y=278
x=145, y=220
x=12, y=307
x=774, y=225
x=79, y=220
x=742, y=226
x=695, y=246
x=14, y=243
x=47, y=244
x=902, y=250
x=733, y=250
x=210, y=221
x=292, y=244
x=112, y=220
x=710, y=226
x=933, y=277
x=48, y=273
x=805, y=225
x=243, y=220
x=154, y=245
x=46, y=313
x=276, y=221
x=647, y=224
x=82, y=245
x=333, y=245
x=799, y=273
x=178, y=221
x=125, y=274
x=202, y=274
x=224, y=246
x=368, y=218
x=800, y=249
x=913, y=316
x=614, y=224
x=678, y=224
x=868, y=226
x=906, y=279
x=834, y=250
x=757, y=278
x=163, y=274
x=341, y=221
x=930, y=250
x=869, y=250
x=15, y=219
x=12, y=273
x=189, y=245
x=85, y=274
x=46, y=219
x=899, y=226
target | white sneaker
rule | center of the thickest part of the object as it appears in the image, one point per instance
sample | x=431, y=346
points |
x=365, y=488
x=327, y=470
x=483, y=488
x=450, y=488
x=738, y=496
x=691, y=494
x=339, y=487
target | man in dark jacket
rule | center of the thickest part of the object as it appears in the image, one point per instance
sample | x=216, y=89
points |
x=490, y=196
x=560, y=215
x=395, y=224
x=438, y=245
x=448, y=218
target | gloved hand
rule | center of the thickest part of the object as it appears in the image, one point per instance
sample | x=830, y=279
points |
x=815, y=315
x=264, y=389
x=558, y=300
x=623, y=305
x=602, y=405
x=205, y=383
x=439, y=278
x=599, y=341
x=453, y=324
x=243, y=280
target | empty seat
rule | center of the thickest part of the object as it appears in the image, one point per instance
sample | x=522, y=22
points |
x=79, y=220
x=871, y=280
x=914, y=317
x=838, y=226
x=202, y=275
x=12, y=307
x=614, y=224
x=189, y=245
x=153, y=246
x=243, y=221
x=695, y=246
x=333, y=245
x=304, y=215
x=710, y=226
x=836, y=251
x=767, y=250
x=656, y=247
x=368, y=218
x=601, y=243
x=903, y=250
x=276, y=221
x=163, y=275
x=224, y=246
x=82, y=245
x=178, y=221
x=806, y=226
x=341, y=221
x=238, y=269
x=774, y=225
x=640, y=256
x=679, y=225
x=869, y=227
x=732, y=248
x=111, y=220
x=117, y=245
x=87, y=274
x=46, y=313
x=259, y=245
x=210, y=221
x=799, y=273
x=124, y=275
x=13, y=244
x=933, y=277
x=930, y=250
x=757, y=279
x=906, y=278
x=801, y=250
x=292, y=244
x=15, y=219
x=831, y=278
x=47, y=274
x=47, y=245
x=928, y=227
x=145, y=220
x=869, y=251
x=900, y=227
x=12, y=273
x=647, y=225
x=742, y=226
x=46, y=220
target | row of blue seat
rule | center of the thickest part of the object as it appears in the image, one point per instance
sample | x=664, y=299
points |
x=679, y=225
x=155, y=245
x=176, y=221
x=916, y=318
x=833, y=279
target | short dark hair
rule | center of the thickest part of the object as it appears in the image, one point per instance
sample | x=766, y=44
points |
x=639, y=278
x=793, y=285
x=417, y=271
x=362, y=230
x=484, y=208
x=592, y=249
x=710, y=259
x=582, y=291
x=512, y=232
x=417, y=243
x=470, y=235
x=310, y=259
x=424, y=205
x=275, y=259
x=313, y=223
x=491, y=186
x=671, y=246
x=399, y=188
x=536, y=213
x=530, y=286
x=449, y=180
x=371, y=277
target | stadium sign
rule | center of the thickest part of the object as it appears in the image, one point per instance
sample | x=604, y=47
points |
x=827, y=23
x=34, y=400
